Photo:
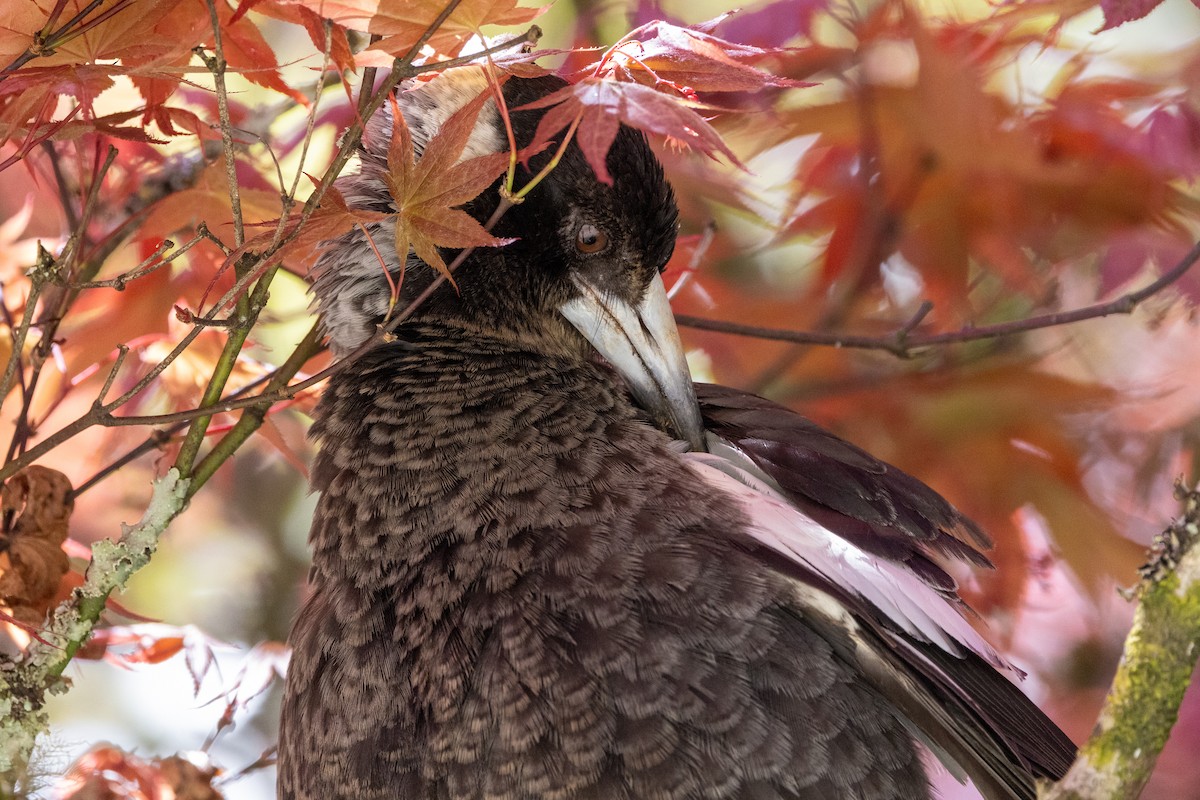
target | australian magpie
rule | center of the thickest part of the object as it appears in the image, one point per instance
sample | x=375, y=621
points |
x=545, y=565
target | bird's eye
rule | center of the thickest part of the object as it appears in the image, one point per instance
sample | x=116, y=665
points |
x=590, y=239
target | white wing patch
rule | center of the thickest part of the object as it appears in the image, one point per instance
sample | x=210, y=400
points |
x=911, y=604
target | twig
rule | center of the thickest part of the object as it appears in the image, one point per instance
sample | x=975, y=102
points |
x=60, y=180
x=202, y=230
x=254, y=416
x=103, y=416
x=153, y=262
x=367, y=86
x=46, y=42
x=224, y=366
x=152, y=442
x=158, y=438
x=122, y=351
x=75, y=243
x=532, y=35
x=57, y=302
x=37, y=280
x=288, y=392
x=1155, y=669
x=414, y=51
x=216, y=65
x=289, y=199
x=922, y=312
x=903, y=342
x=95, y=416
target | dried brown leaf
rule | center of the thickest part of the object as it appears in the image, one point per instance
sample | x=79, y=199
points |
x=36, y=504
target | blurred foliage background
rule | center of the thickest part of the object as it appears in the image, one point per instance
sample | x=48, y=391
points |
x=1000, y=161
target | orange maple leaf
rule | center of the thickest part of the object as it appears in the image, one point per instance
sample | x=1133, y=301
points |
x=332, y=219
x=402, y=23
x=426, y=191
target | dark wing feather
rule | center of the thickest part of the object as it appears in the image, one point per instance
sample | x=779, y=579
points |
x=822, y=474
x=1031, y=736
x=960, y=702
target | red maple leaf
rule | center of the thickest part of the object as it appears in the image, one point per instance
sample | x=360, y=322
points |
x=427, y=191
x=402, y=23
x=600, y=106
x=688, y=60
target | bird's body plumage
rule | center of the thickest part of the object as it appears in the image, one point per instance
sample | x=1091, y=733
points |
x=537, y=601
x=524, y=589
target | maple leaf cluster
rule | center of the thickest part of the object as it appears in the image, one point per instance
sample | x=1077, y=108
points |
x=883, y=180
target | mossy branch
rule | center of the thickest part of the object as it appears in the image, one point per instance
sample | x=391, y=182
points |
x=1155, y=670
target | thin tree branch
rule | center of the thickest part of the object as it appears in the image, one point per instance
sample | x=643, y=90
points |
x=38, y=277
x=367, y=86
x=221, y=372
x=97, y=415
x=103, y=416
x=384, y=333
x=60, y=180
x=254, y=416
x=152, y=442
x=903, y=342
x=311, y=123
x=530, y=36
x=45, y=43
x=76, y=242
x=118, y=362
x=289, y=197
x=160, y=437
x=58, y=301
x=408, y=58
x=153, y=262
x=217, y=65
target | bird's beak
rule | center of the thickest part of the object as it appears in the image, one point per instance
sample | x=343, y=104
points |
x=642, y=343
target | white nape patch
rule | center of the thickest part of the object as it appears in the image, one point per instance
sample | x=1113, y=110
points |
x=427, y=106
x=910, y=603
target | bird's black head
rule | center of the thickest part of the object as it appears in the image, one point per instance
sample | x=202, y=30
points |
x=617, y=237
x=581, y=273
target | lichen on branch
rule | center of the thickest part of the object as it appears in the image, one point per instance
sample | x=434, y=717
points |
x=1155, y=670
x=25, y=683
